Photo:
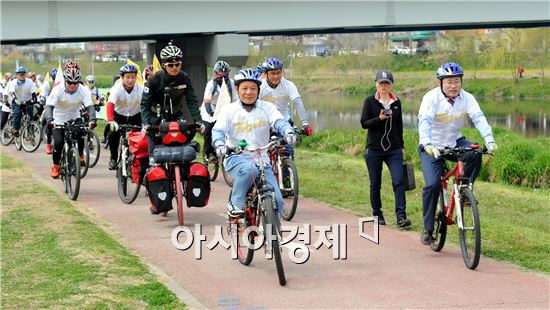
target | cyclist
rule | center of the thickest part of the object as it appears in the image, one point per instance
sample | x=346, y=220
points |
x=20, y=91
x=250, y=119
x=182, y=94
x=5, y=112
x=280, y=91
x=123, y=107
x=443, y=113
x=211, y=95
x=63, y=105
x=97, y=95
x=46, y=90
x=147, y=73
x=32, y=76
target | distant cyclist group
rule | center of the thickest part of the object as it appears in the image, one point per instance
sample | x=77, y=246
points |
x=156, y=122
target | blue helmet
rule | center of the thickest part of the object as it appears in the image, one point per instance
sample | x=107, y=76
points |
x=273, y=63
x=449, y=69
x=127, y=68
x=53, y=73
x=248, y=75
x=20, y=70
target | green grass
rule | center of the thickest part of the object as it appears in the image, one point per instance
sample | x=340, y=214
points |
x=54, y=256
x=514, y=220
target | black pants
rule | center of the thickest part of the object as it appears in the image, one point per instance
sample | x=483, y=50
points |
x=114, y=136
x=59, y=140
x=208, y=148
x=3, y=119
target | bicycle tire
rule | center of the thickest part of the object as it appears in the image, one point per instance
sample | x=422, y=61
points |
x=245, y=254
x=86, y=153
x=468, y=206
x=213, y=168
x=94, y=144
x=290, y=194
x=33, y=135
x=271, y=217
x=125, y=195
x=440, y=226
x=72, y=170
x=179, y=193
x=6, y=137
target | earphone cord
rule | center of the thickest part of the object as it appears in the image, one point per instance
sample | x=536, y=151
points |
x=387, y=135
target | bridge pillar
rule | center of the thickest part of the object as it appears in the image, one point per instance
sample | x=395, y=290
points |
x=199, y=52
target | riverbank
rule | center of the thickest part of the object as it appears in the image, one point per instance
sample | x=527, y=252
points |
x=514, y=222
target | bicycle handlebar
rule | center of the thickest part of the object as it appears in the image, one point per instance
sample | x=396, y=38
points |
x=256, y=149
x=462, y=149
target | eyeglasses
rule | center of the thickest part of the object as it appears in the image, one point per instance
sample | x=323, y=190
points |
x=174, y=65
x=71, y=83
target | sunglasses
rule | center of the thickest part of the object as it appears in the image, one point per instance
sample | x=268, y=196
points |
x=71, y=83
x=174, y=65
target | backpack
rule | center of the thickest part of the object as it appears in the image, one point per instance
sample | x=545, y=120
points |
x=198, y=185
x=158, y=189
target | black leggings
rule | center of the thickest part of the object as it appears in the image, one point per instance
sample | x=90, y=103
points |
x=208, y=148
x=3, y=119
x=59, y=140
x=114, y=137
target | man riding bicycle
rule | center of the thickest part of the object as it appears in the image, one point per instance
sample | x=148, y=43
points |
x=19, y=92
x=211, y=94
x=97, y=95
x=63, y=105
x=280, y=91
x=444, y=111
x=46, y=90
x=123, y=107
x=184, y=101
x=250, y=119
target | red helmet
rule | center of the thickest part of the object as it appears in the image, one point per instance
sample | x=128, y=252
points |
x=31, y=74
x=71, y=73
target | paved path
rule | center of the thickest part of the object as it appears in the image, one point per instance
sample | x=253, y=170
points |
x=397, y=273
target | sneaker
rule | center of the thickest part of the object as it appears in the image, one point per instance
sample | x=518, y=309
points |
x=426, y=237
x=82, y=160
x=55, y=172
x=381, y=219
x=113, y=164
x=233, y=211
x=403, y=222
x=49, y=149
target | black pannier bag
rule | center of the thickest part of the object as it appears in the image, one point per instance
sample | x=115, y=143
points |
x=198, y=185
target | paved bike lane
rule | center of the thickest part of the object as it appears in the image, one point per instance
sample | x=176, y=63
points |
x=398, y=272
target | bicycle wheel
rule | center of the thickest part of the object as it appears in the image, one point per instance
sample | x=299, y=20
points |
x=245, y=253
x=6, y=137
x=86, y=154
x=271, y=217
x=17, y=141
x=289, y=179
x=179, y=193
x=72, y=173
x=440, y=225
x=31, y=137
x=213, y=167
x=94, y=145
x=127, y=189
x=470, y=233
x=228, y=179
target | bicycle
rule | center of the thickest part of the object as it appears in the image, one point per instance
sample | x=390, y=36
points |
x=260, y=211
x=6, y=135
x=92, y=149
x=463, y=200
x=30, y=135
x=286, y=174
x=69, y=166
x=128, y=189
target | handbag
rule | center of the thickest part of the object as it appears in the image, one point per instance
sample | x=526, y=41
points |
x=408, y=177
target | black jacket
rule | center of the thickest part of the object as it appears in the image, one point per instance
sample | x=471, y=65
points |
x=376, y=127
x=181, y=92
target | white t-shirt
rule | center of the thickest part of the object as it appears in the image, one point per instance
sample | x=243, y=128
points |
x=23, y=92
x=447, y=120
x=214, y=97
x=280, y=96
x=97, y=95
x=253, y=126
x=67, y=106
x=126, y=104
x=4, y=107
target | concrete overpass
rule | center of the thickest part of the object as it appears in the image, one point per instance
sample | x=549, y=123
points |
x=211, y=30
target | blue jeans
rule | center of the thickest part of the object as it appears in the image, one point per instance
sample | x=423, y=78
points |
x=394, y=160
x=244, y=171
x=18, y=112
x=432, y=169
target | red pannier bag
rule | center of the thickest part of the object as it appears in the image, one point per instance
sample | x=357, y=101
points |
x=198, y=185
x=139, y=148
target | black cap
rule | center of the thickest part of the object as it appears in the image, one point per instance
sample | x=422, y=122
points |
x=384, y=75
